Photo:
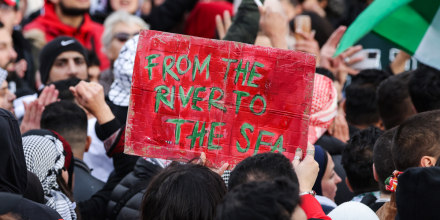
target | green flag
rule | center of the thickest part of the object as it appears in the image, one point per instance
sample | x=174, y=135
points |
x=413, y=25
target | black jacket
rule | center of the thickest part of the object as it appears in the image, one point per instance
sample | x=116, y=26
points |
x=25, y=209
x=126, y=198
x=85, y=184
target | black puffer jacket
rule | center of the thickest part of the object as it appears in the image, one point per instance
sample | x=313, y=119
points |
x=126, y=197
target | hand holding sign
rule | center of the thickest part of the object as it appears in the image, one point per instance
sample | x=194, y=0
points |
x=307, y=169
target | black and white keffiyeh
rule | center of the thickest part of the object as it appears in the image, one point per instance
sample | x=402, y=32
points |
x=119, y=92
x=3, y=75
x=44, y=154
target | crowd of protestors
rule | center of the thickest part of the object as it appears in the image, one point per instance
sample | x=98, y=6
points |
x=65, y=78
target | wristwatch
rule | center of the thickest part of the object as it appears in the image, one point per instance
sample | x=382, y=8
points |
x=312, y=192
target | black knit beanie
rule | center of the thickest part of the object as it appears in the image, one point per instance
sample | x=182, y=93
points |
x=54, y=48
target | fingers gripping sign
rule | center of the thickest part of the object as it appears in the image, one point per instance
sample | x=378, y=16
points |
x=307, y=169
x=204, y=162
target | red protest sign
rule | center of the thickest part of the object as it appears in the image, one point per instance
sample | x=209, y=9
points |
x=230, y=100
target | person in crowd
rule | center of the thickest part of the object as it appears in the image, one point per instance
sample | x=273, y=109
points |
x=107, y=7
x=183, y=191
x=424, y=89
x=277, y=199
x=8, y=55
x=6, y=96
x=63, y=58
x=162, y=15
x=418, y=193
x=265, y=166
x=68, y=18
x=382, y=167
x=95, y=158
x=361, y=101
x=324, y=108
x=201, y=21
x=119, y=27
x=415, y=144
x=93, y=70
x=357, y=159
x=269, y=166
x=326, y=182
x=14, y=176
x=16, y=207
x=126, y=198
x=119, y=94
x=70, y=121
x=24, y=66
x=393, y=100
x=46, y=157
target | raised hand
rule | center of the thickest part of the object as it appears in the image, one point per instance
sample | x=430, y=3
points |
x=34, y=109
x=223, y=24
x=90, y=95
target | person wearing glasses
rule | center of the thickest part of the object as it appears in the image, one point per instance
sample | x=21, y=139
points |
x=119, y=27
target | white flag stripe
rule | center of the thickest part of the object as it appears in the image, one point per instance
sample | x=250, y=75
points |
x=428, y=51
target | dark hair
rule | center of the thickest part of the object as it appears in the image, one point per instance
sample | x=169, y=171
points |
x=325, y=72
x=393, y=100
x=382, y=158
x=67, y=119
x=185, y=192
x=361, y=104
x=93, y=58
x=424, y=88
x=275, y=200
x=294, y=2
x=357, y=160
x=417, y=137
x=63, y=87
x=265, y=166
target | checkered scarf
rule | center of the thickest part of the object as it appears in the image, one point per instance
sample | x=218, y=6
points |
x=324, y=107
x=44, y=156
x=119, y=92
x=3, y=75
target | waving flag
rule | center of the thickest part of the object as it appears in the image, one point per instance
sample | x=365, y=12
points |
x=413, y=25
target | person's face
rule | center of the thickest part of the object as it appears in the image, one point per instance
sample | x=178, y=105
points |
x=121, y=33
x=146, y=7
x=9, y=17
x=329, y=180
x=75, y=4
x=68, y=64
x=7, y=52
x=6, y=97
x=94, y=73
x=129, y=6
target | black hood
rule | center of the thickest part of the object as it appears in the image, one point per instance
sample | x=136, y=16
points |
x=13, y=173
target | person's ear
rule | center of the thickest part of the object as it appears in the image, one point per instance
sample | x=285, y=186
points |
x=348, y=184
x=427, y=161
x=376, y=177
x=88, y=142
x=18, y=17
x=380, y=125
